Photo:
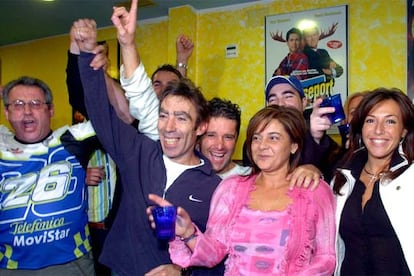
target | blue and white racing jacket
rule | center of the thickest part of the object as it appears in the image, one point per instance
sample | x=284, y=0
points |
x=43, y=198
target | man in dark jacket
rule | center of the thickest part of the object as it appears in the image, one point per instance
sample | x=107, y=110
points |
x=170, y=167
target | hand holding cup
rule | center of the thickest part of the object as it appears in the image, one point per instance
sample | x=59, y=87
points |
x=182, y=224
x=164, y=219
x=334, y=101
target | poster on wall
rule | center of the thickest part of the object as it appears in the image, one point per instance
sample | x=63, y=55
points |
x=410, y=49
x=311, y=45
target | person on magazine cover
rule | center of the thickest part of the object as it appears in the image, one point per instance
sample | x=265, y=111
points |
x=318, y=58
x=295, y=62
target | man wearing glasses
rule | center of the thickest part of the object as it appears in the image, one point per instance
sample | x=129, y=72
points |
x=43, y=203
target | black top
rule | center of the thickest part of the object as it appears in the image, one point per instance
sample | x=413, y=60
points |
x=372, y=247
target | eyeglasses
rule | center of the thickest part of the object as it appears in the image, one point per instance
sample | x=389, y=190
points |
x=19, y=104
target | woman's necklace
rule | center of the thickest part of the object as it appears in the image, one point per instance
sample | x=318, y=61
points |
x=373, y=177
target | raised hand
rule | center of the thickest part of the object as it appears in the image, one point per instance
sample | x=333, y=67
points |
x=319, y=122
x=125, y=23
x=101, y=59
x=84, y=31
x=184, y=46
x=74, y=48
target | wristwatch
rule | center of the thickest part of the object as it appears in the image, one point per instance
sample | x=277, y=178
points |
x=182, y=65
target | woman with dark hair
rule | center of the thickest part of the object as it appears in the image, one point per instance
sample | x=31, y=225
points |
x=264, y=227
x=374, y=188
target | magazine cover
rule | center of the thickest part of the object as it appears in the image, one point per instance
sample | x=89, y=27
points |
x=313, y=46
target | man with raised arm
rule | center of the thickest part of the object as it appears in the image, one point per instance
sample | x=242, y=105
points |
x=167, y=168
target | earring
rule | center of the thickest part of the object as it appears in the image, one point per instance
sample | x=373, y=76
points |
x=400, y=147
x=360, y=145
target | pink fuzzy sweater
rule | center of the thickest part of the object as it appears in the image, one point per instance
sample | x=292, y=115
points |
x=310, y=248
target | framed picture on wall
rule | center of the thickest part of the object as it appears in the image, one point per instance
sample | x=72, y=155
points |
x=313, y=46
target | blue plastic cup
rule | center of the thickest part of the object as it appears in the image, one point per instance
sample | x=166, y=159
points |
x=164, y=218
x=334, y=101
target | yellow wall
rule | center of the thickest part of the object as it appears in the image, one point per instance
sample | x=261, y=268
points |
x=377, y=50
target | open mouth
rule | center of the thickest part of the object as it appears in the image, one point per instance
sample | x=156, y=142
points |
x=28, y=123
x=217, y=155
x=171, y=141
x=377, y=141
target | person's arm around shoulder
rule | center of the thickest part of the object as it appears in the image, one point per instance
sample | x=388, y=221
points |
x=306, y=176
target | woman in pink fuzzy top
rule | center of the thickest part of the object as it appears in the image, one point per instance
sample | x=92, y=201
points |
x=264, y=227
